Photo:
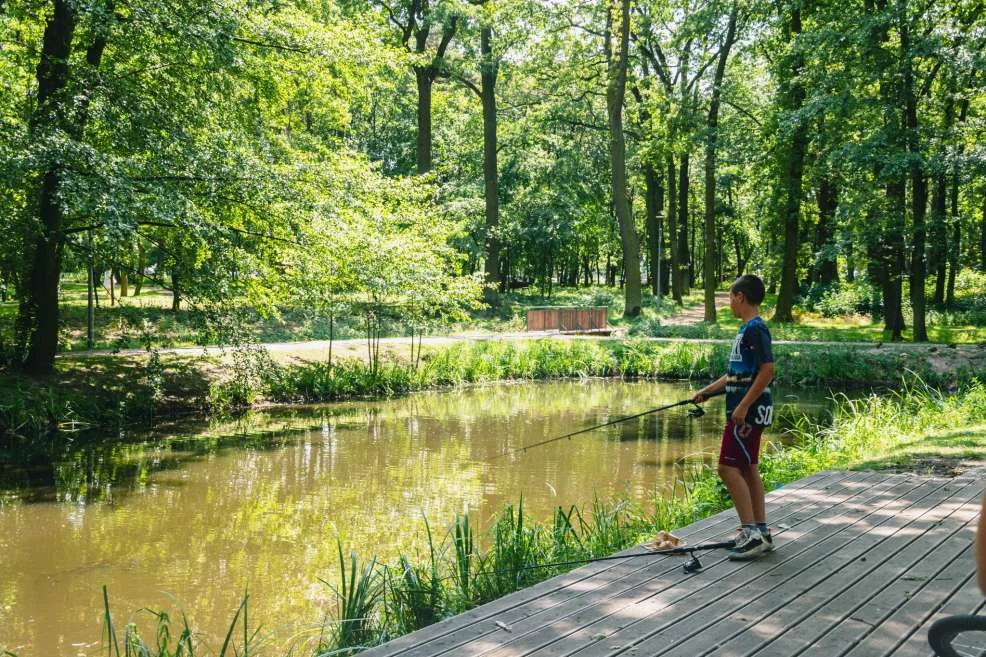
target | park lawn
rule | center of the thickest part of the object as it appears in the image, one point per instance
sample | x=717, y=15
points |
x=935, y=450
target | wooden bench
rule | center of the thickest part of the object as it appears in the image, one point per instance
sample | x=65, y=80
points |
x=569, y=320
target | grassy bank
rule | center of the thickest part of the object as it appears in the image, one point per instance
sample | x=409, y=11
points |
x=109, y=393
x=377, y=602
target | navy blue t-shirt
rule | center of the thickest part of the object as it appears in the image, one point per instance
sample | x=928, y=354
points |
x=751, y=349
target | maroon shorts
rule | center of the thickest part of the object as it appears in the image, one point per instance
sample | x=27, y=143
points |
x=740, y=444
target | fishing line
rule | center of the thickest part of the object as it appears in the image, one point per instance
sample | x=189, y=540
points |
x=696, y=412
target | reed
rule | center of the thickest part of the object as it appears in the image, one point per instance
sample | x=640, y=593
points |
x=360, y=591
x=463, y=596
x=506, y=567
x=109, y=397
x=414, y=594
x=184, y=645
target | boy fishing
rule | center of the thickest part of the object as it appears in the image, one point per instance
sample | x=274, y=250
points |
x=749, y=409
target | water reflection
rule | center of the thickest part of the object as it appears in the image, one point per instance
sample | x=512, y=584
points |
x=198, y=514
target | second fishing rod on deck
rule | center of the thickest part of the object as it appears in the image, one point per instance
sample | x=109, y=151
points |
x=698, y=411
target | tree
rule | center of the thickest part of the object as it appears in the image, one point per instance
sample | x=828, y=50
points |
x=712, y=127
x=415, y=20
x=617, y=53
x=793, y=144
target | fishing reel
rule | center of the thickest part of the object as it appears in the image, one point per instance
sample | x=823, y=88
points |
x=696, y=412
x=693, y=565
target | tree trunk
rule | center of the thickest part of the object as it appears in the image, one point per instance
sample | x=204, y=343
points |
x=488, y=71
x=793, y=99
x=953, y=257
x=684, y=257
x=615, y=93
x=141, y=267
x=919, y=187
x=894, y=261
x=672, y=232
x=850, y=261
x=38, y=314
x=938, y=257
x=982, y=235
x=712, y=125
x=423, y=75
x=654, y=196
x=956, y=243
x=175, y=291
x=826, y=265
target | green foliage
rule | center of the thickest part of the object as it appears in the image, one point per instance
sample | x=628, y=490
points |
x=354, y=625
x=841, y=300
x=184, y=644
x=414, y=595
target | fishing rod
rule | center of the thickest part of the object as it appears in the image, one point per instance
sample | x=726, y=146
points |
x=698, y=411
x=693, y=565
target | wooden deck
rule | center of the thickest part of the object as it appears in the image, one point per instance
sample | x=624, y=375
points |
x=864, y=563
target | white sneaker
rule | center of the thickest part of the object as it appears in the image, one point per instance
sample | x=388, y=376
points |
x=749, y=545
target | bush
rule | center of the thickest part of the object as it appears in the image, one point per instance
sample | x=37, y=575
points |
x=840, y=299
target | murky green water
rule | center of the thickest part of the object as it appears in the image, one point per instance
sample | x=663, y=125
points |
x=193, y=516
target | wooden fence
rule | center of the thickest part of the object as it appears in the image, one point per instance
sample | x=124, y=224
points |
x=568, y=319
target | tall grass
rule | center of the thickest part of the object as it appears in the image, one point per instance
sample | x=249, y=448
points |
x=467, y=363
x=113, y=396
x=184, y=645
x=875, y=426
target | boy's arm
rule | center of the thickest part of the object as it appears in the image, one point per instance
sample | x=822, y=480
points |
x=708, y=391
x=760, y=383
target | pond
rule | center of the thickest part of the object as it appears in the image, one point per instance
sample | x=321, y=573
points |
x=192, y=516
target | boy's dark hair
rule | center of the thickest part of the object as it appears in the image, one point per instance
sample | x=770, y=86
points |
x=752, y=288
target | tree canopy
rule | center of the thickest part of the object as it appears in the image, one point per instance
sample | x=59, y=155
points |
x=401, y=152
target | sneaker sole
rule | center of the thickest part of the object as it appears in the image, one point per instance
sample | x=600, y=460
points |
x=752, y=553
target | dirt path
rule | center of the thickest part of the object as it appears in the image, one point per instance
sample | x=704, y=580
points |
x=696, y=314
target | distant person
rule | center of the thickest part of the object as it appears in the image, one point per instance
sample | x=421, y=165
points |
x=749, y=408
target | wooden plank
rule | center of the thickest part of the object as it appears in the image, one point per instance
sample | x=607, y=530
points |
x=968, y=599
x=822, y=597
x=478, y=621
x=584, y=625
x=910, y=600
x=691, y=623
x=909, y=550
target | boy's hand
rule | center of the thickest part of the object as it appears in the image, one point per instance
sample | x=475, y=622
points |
x=739, y=415
x=698, y=398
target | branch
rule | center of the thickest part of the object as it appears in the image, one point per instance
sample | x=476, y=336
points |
x=572, y=23
x=468, y=83
x=926, y=88
x=580, y=124
x=743, y=111
x=657, y=60
x=272, y=46
x=447, y=35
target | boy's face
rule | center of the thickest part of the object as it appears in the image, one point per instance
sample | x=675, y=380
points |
x=736, y=302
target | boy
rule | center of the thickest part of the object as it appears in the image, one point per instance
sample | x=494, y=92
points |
x=749, y=408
